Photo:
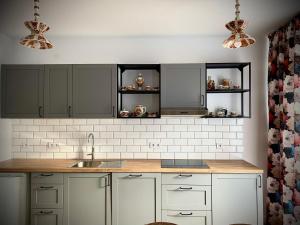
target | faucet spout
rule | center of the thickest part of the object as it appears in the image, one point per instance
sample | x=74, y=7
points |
x=91, y=136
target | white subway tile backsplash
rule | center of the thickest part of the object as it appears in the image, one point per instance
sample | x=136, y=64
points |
x=229, y=121
x=167, y=137
x=236, y=128
x=181, y=155
x=140, y=155
x=138, y=128
x=173, y=134
x=173, y=121
x=166, y=127
x=187, y=135
x=215, y=121
x=119, y=135
x=194, y=155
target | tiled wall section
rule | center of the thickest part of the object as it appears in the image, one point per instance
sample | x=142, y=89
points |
x=130, y=138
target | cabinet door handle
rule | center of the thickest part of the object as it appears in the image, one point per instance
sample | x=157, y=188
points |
x=184, y=175
x=113, y=111
x=185, y=214
x=46, y=187
x=204, y=197
x=69, y=111
x=259, y=181
x=40, y=111
x=135, y=175
x=46, y=174
x=46, y=212
x=202, y=100
x=184, y=188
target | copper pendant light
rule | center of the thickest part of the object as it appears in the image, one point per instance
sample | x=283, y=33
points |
x=36, y=39
x=238, y=37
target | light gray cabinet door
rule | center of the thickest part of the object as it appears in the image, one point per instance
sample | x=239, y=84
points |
x=45, y=196
x=237, y=199
x=136, y=198
x=58, y=91
x=183, y=85
x=87, y=199
x=46, y=217
x=22, y=91
x=94, y=91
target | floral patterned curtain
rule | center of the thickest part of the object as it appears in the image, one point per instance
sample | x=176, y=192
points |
x=283, y=182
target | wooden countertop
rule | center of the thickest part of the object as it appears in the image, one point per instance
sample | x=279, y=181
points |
x=129, y=166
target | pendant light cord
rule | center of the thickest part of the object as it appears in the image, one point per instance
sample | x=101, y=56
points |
x=237, y=10
x=36, y=10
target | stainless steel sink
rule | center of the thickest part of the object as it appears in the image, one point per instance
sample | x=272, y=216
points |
x=98, y=164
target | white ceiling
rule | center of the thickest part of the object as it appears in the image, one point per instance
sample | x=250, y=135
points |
x=144, y=17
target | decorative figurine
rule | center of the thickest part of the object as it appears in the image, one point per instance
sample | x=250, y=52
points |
x=210, y=84
x=140, y=80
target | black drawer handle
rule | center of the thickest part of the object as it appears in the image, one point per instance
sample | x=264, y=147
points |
x=40, y=111
x=46, y=212
x=184, y=188
x=184, y=175
x=183, y=112
x=46, y=174
x=70, y=111
x=135, y=175
x=46, y=187
x=185, y=214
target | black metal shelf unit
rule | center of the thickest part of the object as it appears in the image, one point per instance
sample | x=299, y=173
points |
x=245, y=86
x=131, y=94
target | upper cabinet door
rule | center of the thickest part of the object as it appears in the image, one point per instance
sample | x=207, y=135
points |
x=183, y=85
x=22, y=91
x=58, y=91
x=94, y=91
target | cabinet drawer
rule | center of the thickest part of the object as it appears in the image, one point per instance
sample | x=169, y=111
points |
x=47, y=178
x=46, y=196
x=186, y=197
x=46, y=216
x=187, y=217
x=191, y=179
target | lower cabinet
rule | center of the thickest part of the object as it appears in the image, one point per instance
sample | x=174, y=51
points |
x=136, y=198
x=47, y=217
x=143, y=198
x=237, y=199
x=187, y=217
x=87, y=199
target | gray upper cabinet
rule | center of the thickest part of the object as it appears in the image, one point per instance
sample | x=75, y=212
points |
x=58, y=91
x=94, y=91
x=182, y=88
x=22, y=91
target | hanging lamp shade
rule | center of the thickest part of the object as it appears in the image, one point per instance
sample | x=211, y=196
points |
x=37, y=29
x=238, y=37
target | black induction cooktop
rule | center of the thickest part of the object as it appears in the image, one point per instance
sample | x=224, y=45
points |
x=183, y=163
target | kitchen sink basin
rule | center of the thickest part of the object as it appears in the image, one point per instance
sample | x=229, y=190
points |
x=98, y=164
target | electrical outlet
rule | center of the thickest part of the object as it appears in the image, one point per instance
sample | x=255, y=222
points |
x=218, y=145
x=154, y=145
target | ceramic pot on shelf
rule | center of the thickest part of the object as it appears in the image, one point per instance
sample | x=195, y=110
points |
x=140, y=110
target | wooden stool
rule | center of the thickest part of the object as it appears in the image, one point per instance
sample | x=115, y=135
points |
x=161, y=223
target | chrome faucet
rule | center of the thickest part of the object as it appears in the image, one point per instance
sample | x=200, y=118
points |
x=91, y=135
